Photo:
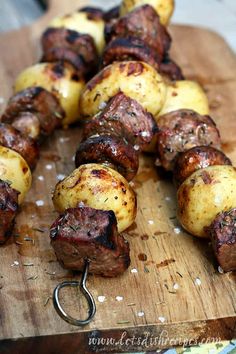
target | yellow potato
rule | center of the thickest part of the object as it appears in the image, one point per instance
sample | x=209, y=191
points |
x=14, y=168
x=203, y=195
x=82, y=23
x=99, y=187
x=135, y=79
x=164, y=8
x=60, y=79
x=185, y=94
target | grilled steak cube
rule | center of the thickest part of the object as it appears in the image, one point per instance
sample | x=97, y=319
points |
x=223, y=236
x=182, y=130
x=38, y=101
x=8, y=209
x=137, y=121
x=143, y=22
x=86, y=233
x=109, y=150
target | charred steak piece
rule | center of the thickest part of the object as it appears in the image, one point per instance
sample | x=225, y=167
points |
x=130, y=48
x=110, y=150
x=8, y=209
x=223, y=235
x=38, y=101
x=181, y=130
x=96, y=127
x=144, y=23
x=24, y=145
x=196, y=158
x=61, y=44
x=87, y=233
x=170, y=69
x=137, y=121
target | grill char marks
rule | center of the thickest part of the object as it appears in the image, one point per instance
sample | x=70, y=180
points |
x=87, y=233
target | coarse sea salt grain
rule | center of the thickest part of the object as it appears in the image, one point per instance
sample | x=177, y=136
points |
x=15, y=264
x=60, y=176
x=119, y=298
x=220, y=270
x=136, y=147
x=102, y=105
x=198, y=281
x=145, y=134
x=2, y=100
x=140, y=314
x=134, y=270
x=176, y=286
x=151, y=222
x=48, y=167
x=39, y=202
x=101, y=298
x=167, y=199
x=177, y=230
x=40, y=178
x=161, y=319
x=63, y=140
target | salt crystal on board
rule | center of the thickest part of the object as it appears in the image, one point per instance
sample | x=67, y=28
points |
x=101, y=298
x=134, y=270
x=161, y=319
x=119, y=298
x=140, y=314
x=39, y=202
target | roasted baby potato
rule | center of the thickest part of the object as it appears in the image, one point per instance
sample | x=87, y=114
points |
x=83, y=23
x=15, y=170
x=99, y=187
x=135, y=79
x=203, y=195
x=185, y=94
x=164, y=8
x=58, y=78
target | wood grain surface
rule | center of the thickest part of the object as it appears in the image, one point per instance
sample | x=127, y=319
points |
x=202, y=304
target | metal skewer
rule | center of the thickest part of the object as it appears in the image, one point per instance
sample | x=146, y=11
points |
x=86, y=293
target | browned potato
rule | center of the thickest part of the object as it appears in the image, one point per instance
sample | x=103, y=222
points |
x=185, y=94
x=15, y=170
x=164, y=8
x=58, y=78
x=135, y=79
x=99, y=187
x=203, y=195
x=82, y=22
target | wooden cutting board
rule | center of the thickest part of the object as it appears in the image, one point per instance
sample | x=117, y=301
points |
x=172, y=291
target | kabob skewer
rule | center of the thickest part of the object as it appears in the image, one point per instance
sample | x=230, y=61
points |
x=120, y=104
